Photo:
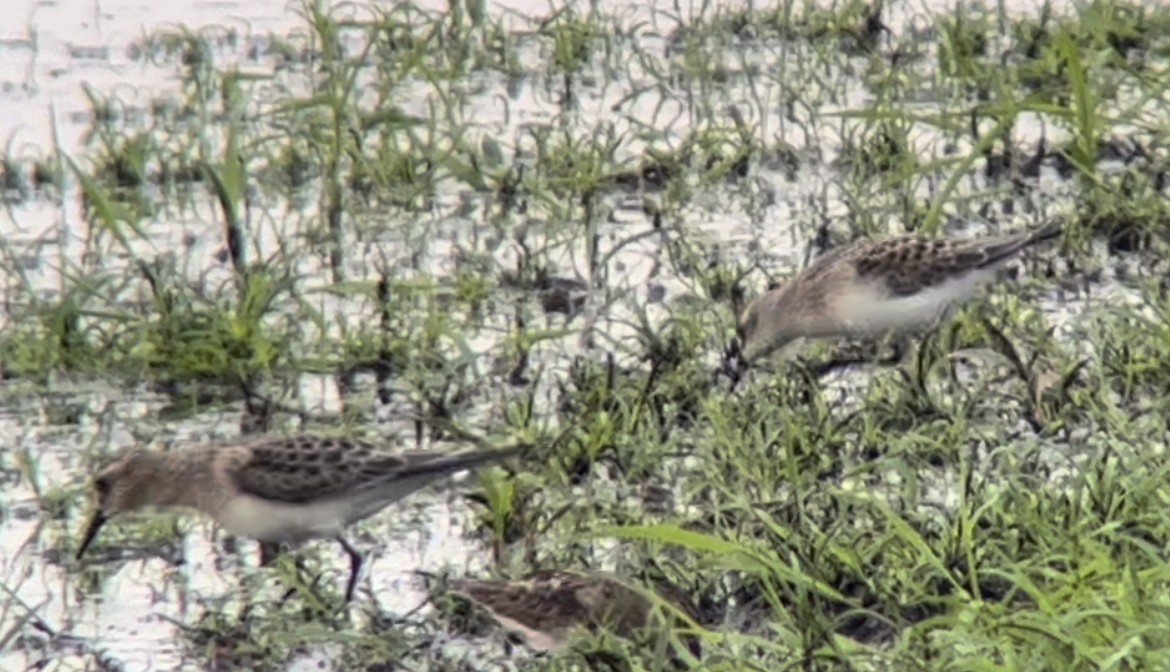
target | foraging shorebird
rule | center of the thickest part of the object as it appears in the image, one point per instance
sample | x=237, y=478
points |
x=550, y=607
x=874, y=287
x=284, y=490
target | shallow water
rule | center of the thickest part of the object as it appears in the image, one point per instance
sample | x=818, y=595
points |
x=50, y=51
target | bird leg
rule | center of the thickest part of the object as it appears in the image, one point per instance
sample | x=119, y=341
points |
x=902, y=346
x=269, y=551
x=355, y=566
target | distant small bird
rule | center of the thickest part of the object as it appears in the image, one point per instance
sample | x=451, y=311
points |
x=550, y=607
x=275, y=490
x=873, y=287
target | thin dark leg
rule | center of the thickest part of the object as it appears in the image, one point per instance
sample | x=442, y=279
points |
x=902, y=345
x=268, y=552
x=355, y=566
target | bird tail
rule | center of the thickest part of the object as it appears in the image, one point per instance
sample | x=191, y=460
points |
x=446, y=464
x=1047, y=232
x=996, y=252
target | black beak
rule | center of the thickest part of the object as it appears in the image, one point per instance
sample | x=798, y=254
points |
x=95, y=524
x=734, y=366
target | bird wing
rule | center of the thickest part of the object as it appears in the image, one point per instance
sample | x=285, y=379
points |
x=907, y=265
x=296, y=470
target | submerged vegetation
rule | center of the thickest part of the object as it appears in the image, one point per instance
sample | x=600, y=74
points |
x=543, y=227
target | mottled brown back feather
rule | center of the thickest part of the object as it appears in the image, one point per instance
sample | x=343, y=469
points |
x=552, y=601
x=301, y=469
x=541, y=607
x=910, y=264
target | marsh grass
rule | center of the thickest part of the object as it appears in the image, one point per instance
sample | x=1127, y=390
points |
x=543, y=226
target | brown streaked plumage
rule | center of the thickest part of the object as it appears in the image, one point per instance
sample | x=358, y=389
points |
x=873, y=287
x=550, y=606
x=275, y=489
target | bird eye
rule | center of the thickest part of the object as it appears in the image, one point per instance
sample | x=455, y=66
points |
x=102, y=486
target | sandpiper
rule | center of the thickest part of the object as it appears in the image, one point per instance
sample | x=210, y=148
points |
x=283, y=490
x=874, y=287
x=549, y=607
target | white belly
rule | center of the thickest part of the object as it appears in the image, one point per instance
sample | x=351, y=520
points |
x=867, y=310
x=264, y=520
